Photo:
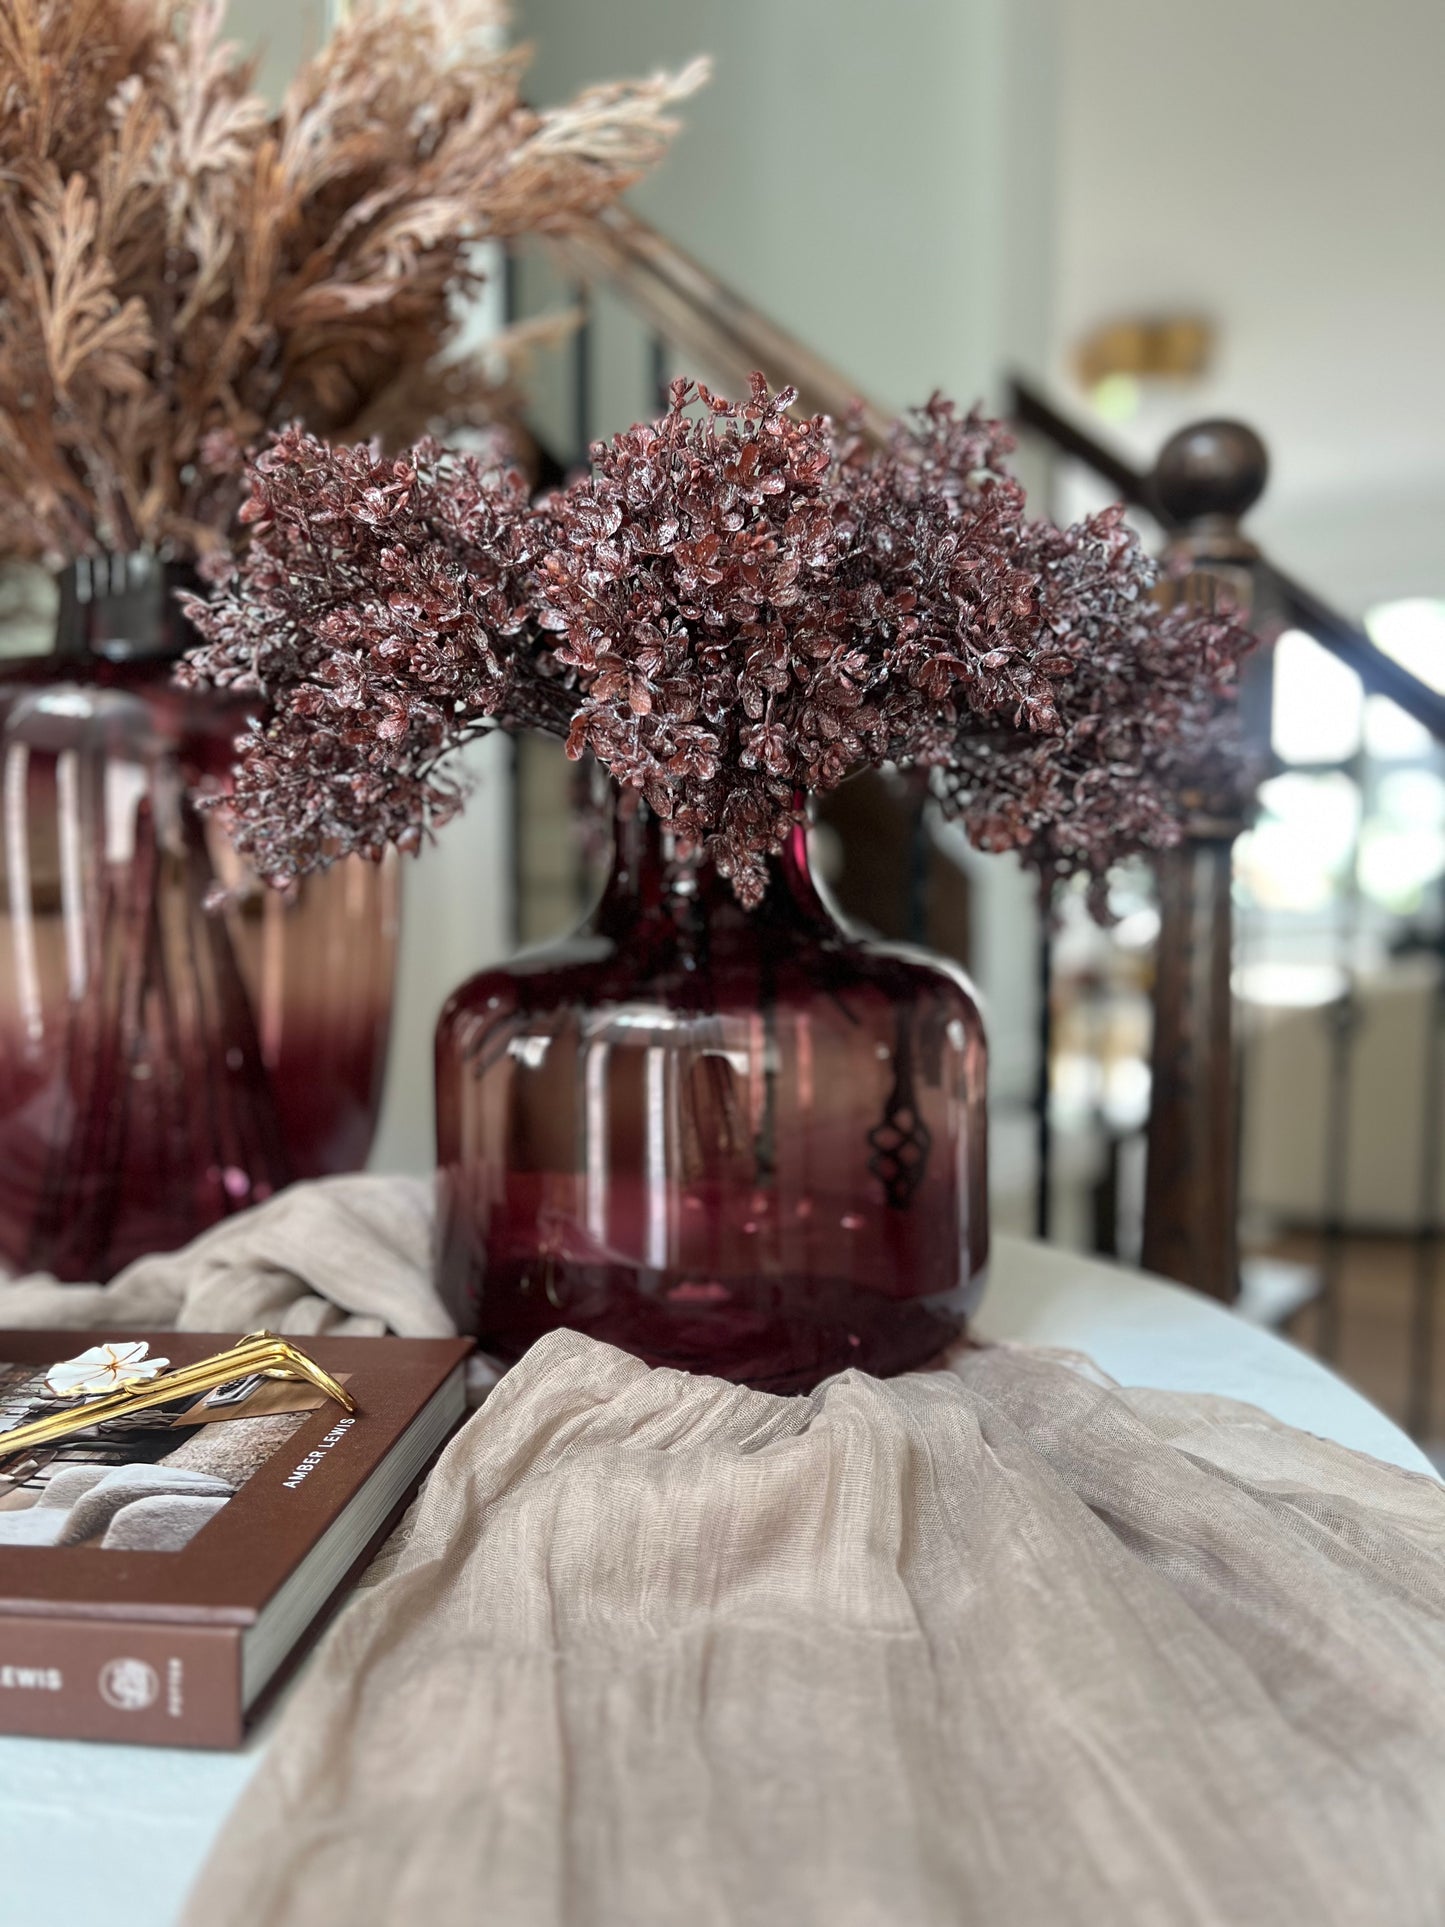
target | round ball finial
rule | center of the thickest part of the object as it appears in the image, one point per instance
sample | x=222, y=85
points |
x=1210, y=469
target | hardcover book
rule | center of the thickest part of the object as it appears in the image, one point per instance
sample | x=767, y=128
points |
x=161, y=1571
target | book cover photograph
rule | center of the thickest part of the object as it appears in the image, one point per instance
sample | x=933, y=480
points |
x=146, y=1482
x=179, y=1512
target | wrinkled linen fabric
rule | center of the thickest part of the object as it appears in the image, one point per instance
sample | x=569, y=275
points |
x=347, y=1256
x=998, y=1643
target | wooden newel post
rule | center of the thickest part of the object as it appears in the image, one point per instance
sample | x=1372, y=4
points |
x=1206, y=478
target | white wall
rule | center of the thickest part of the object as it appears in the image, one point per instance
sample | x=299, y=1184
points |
x=1279, y=164
x=871, y=174
x=456, y=917
x=282, y=32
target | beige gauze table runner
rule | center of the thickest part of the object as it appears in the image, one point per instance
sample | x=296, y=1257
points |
x=1000, y=1643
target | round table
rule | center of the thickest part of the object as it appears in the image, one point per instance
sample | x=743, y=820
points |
x=111, y=1836
x=1142, y=1331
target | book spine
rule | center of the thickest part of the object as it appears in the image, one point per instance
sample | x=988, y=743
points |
x=140, y=1682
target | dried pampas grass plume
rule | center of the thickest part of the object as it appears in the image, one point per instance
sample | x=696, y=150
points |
x=182, y=268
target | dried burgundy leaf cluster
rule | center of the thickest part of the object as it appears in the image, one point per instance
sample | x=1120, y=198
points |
x=387, y=615
x=1116, y=711
x=183, y=267
x=733, y=607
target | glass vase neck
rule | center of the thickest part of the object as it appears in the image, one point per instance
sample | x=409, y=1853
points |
x=123, y=608
x=647, y=878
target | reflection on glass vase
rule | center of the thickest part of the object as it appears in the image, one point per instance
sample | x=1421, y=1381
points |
x=162, y=1062
x=736, y=1141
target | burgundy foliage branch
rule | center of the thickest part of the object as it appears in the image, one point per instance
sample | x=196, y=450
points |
x=383, y=608
x=754, y=608
x=732, y=607
x=692, y=587
x=1132, y=715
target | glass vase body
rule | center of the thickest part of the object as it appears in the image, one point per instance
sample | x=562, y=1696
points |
x=740, y=1142
x=163, y=1062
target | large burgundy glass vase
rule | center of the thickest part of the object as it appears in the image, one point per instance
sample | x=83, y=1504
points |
x=162, y=1062
x=736, y=1141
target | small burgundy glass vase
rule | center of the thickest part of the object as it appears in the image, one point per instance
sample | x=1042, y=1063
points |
x=740, y=1142
x=162, y=1063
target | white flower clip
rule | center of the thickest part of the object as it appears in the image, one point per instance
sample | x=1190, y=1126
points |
x=104, y=1368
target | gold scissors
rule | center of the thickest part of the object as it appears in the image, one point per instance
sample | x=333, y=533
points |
x=258, y=1355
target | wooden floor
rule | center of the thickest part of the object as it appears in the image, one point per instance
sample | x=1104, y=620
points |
x=1375, y=1325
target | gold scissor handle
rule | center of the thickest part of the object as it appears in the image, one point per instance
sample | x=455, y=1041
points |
x=260, y=1354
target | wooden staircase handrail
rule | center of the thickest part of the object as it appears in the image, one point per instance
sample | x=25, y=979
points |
x=1379, y=673
x=688, y=306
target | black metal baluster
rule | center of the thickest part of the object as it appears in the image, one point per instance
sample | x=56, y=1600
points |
x=1044, y=977
x=657, y=367
x=1427, y=1235
x=1043, y=1127
x=1343, y=1018
x=582, y=378
x=920, y=848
